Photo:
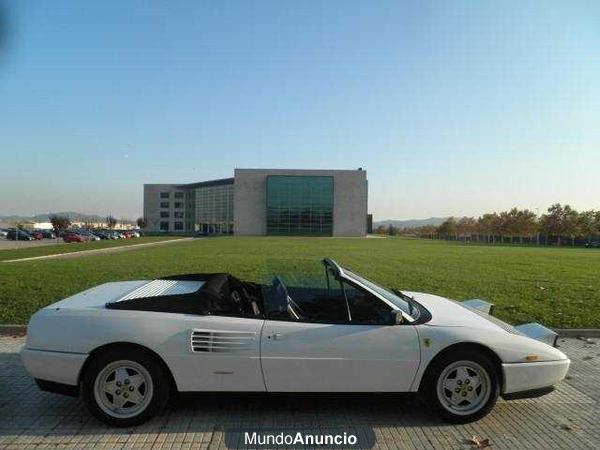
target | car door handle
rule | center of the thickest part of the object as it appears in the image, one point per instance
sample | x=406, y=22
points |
x=275, y=336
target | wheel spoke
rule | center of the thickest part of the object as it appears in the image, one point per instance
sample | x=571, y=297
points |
x=450, y=384
x=462, y=373
x=135, y=397
x=475, y=382
x=110, y=387
x=472, y=396
x=121, y=374
x=136, y=380
x=456, y=398
x=117, y=401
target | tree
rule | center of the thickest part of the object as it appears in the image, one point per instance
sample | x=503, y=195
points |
x=586, y=224
x=560, y=221
x=392, y=230
x=59, y=223
x=381, y=229
x=447, y=228
x=141, y=222
x=466, y=226
x=526, y=223
x=519, y=223
x=111, y=222
x=486, y=225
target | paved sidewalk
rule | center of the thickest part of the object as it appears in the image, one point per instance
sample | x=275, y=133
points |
x=567, y=418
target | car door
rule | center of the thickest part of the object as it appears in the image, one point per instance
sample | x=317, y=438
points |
x=354, y=356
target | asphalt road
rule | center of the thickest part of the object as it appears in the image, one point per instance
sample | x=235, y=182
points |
x=6, y=244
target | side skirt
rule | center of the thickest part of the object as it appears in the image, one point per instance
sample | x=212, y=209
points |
x=58, y=388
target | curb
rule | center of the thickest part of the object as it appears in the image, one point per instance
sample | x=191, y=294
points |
x=13, y=330
x=578, y=332
x=21, y=330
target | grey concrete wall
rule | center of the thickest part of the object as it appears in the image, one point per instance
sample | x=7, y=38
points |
x=350, y=200
x=152, y=207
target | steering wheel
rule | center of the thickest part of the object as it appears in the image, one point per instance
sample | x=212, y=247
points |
x=283, y=300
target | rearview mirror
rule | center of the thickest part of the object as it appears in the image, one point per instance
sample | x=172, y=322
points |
x=396, y=317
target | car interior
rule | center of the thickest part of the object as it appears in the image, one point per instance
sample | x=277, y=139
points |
x=339, y=302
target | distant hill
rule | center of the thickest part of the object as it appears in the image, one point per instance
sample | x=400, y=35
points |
x=410, y=223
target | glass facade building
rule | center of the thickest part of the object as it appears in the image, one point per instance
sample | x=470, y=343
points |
x=300, y=205
x=209, y=208
x=259, y=202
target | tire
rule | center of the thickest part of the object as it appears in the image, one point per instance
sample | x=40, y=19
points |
x=125, y=387
x=461, y=386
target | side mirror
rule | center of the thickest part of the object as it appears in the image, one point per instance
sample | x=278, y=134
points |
x=396, y=317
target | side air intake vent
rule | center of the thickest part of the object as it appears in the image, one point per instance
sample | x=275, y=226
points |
x=222, y=341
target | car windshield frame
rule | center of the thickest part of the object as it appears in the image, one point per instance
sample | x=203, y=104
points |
x=386, y=295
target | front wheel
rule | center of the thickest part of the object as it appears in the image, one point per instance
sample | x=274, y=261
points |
x=462, y=386
x=125, y=387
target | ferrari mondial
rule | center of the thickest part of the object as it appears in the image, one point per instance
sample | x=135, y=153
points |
x=125, y=347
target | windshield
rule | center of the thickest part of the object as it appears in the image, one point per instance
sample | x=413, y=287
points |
x=397, y=301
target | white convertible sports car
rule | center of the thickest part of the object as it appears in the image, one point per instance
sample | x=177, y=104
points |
x=126, y=346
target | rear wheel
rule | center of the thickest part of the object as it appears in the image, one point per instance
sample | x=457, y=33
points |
x=462, y=386
x=125, y=387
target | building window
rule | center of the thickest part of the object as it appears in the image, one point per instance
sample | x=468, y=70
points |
x=164, y=214
x=164, y=204
x=164, y=195
x=178, y=205
x=213, y=209
x=178, y=214
x=299, y=205
x=178, y=194
x=164, y=226
x=178, y=226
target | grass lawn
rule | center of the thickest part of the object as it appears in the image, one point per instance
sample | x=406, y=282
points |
x=60, y=248
x=558, y=287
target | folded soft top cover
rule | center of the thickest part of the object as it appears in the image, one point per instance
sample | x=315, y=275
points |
x=212, y=296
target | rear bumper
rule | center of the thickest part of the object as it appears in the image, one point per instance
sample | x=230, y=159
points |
x=57, y=367
x=520, y=377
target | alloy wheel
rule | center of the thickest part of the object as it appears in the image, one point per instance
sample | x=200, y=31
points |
x=123, y=389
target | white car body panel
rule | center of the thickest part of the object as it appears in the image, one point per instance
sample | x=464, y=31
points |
x=251, y=354
x=452, y=323
x=59, y=367
x=313, y=357
x=85, y=324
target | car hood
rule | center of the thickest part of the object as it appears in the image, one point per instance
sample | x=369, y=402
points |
x=450, y=313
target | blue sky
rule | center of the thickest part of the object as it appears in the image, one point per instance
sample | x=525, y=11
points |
x=452, y=107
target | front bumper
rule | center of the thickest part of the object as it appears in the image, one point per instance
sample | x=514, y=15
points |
x=520, y=377
x=52, y=366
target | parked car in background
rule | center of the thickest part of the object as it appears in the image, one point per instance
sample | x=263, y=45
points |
x=19, y=235
x=595, y=244
x=36, y=234
x=3, y=232
x=48, y=234
x=103, y=235
x=70, y=236
x=88, y=234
